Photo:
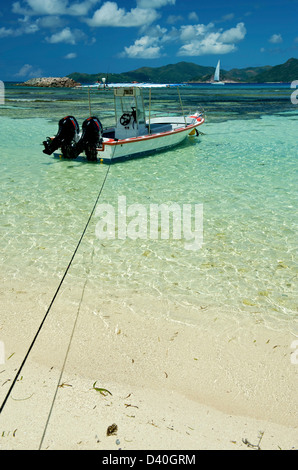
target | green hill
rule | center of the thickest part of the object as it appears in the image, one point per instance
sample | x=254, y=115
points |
x=184, y=72
x=286, y=72
x=248, y=74
x=172, y=73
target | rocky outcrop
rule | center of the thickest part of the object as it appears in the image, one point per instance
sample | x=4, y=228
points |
x=55, y=82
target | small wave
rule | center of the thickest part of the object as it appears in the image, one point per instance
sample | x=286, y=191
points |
x=29, y=100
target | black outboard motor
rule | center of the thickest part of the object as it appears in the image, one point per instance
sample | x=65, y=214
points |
x=91, y=138
x=65, y=139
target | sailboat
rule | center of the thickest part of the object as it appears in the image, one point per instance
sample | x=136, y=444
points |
x=216, y=80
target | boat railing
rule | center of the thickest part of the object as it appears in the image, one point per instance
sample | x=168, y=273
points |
x=176, y=113
x=107, y=117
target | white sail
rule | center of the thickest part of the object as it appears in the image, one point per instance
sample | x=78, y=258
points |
x=216, y=80
x=217, y=71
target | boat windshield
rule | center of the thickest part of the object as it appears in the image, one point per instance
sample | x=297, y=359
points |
x=129, y=101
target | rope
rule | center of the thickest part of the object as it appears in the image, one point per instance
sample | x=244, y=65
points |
x=63, y=367
x=55, y=295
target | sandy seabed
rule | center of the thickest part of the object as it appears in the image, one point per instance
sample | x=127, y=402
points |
x=168, y=385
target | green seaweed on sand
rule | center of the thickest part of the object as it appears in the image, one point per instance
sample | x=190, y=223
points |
x=102, y=391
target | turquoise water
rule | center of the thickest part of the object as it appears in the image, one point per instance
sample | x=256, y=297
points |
x=243, y=171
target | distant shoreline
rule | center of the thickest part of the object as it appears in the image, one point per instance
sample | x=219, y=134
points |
x=179, y=83
x=190, y=73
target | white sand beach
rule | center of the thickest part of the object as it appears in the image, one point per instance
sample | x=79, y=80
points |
x=172, y=385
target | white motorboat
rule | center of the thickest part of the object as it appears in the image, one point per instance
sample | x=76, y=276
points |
x=133, y=135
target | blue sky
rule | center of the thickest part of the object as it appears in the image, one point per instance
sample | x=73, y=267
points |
x=57, y=37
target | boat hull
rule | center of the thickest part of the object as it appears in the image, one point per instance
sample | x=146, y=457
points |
x=112, y=151
x=164, y=133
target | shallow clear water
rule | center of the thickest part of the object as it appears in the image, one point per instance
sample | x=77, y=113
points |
x=243, y=171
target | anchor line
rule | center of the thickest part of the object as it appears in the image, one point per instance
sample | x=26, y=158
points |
x=54, y=297
x=63, y=366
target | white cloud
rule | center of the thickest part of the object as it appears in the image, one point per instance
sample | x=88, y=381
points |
x=198, y=39
x=150, y=45
x=51, y=22
x=191, y=32
x=26, y=27
x=28, y=71
x=40, y=7
x=4, y=32
x=67, y=36
x=53, y=7
x=154, y=31
x=203, y=39
x=71, y=55
x=154, y=3
x=276, y=39
x=234, y=34
x=228, y=17
x=111, y=15
x=192, y=16
x=81, y=9
x=208, y=45
x=172, y=19
x=143, y=48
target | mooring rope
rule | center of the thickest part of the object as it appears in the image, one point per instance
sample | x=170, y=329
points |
x=55, y=295
x=63, y=367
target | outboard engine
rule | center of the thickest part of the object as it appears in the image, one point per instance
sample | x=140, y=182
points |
x=91, y=138
x=65, y=139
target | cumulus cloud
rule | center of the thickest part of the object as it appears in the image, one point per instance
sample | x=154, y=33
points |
x=276, y=39
x=28, y=71
x=143, y=48
x=53, y=7
x=71, y=55
x=25, y=27
x=197, y=39
x=111, y=15
x=67, y=36
x=192, y=16
x=4, y=32
x=40, y=7
x=154, y=3
x=150, y=45
x=234, y=35
x=203, y=39
x=208, y=45
x=191, y=32
x=51, y=22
